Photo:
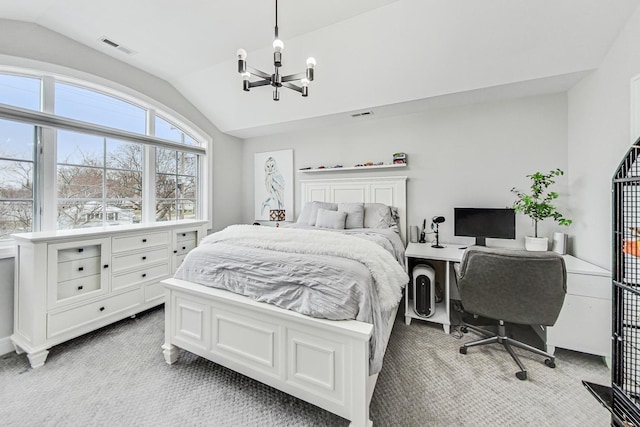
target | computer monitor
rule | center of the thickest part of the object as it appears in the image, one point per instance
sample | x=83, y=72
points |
x=485, y=222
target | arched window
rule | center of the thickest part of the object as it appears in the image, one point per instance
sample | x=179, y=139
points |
x=98, y=158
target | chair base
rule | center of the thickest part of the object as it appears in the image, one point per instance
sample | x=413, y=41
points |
x=502, y=338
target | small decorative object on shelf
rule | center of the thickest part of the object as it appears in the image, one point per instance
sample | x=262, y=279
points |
x=399, y=158
x=277, y=215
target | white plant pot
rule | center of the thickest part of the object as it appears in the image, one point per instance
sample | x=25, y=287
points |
x=536, y=244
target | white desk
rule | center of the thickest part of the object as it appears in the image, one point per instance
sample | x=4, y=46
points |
x=584, y=323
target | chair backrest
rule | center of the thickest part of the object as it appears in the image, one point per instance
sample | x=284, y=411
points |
x=513, y=285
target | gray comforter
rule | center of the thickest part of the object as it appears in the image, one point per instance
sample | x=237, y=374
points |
x=306, y=281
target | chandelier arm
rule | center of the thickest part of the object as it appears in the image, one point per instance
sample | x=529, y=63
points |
x=292, y=77
x=258, y=73
x=292, y=86
x=260, y=83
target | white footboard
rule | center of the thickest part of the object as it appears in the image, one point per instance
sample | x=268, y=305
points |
x=323, y=362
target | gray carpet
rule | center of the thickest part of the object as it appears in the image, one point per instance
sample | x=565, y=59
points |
x=117, y=377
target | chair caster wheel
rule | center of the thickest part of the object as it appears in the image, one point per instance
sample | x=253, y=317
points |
x=463, y=350
x=522, y=375
x=464, y=329
x=550, y=363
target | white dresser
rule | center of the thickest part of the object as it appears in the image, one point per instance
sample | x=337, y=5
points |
x=70, y=282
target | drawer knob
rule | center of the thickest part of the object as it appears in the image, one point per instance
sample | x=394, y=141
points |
x=105, y=266
x=175, y=252
x=144, y=257
x=80, y=268
x=144, y=274
x=80, y=287
x=101, y=308
x=144, y=240
x=184, y=234
x=81, y=250
x=184, y=247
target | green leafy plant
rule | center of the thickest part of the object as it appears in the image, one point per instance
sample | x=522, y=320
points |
x=538, y=204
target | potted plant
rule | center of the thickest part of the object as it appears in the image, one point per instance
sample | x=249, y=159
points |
x=538, y=206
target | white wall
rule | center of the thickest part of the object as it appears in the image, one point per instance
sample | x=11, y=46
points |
x=599, y=136
x=31, y=46
x=458, y=156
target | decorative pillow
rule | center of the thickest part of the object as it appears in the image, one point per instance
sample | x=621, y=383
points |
x=355, y=214
x=305, y=214
x=320, y=205
x=377, y=215
x=331, y=219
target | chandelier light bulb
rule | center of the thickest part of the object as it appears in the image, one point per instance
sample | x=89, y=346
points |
x=278, y=45
x=245, y=76
x=242, y=54
x=304, y=82
x=311, y=62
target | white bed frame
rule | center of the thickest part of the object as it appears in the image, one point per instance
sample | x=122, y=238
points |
x=323, y=362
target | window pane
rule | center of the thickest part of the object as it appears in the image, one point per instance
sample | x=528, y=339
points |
x=187, y=164
x=124, y=185
x=186, y=209
x=20, y=91
x=166, y=161
x=16, y=140
x=165, y=186
x=186, y=187
x=16, y=180
x=165, y=210
x=76, y=182
x=123, y=211
x=15, y=217
x=80, y=149
x=79, y=213
x=124, y=155
x=167, y=130
x=94, y=107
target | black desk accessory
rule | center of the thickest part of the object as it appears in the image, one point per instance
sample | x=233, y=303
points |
x=437, y=220
x=422, y=233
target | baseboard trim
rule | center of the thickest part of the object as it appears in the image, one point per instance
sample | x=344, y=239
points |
x=6, y=346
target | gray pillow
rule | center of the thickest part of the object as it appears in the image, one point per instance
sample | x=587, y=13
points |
x=355, y=214
x=377, y=215
x=320, y=205
x=331, y=219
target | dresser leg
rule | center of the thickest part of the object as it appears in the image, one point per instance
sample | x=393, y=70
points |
x=38, y=358
x=18, y=349
x=407, y=320
x=171, y=353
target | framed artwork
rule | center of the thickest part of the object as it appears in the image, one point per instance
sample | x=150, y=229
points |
x=273, y=185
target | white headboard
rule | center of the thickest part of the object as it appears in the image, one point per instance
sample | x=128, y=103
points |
x=391, y=190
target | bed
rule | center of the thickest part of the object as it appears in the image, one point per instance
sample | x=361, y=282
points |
x=329, y=363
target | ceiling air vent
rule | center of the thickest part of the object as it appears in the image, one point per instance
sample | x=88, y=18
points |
x=117, y=46
x=364, y=113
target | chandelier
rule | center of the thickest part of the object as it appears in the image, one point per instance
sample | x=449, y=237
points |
x=301, y=80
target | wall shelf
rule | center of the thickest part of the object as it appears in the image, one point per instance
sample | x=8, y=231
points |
x=354, y=168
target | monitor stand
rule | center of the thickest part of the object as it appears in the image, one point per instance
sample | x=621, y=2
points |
x=481, y=241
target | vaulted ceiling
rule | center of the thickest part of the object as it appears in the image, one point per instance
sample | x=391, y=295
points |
x=388, y=56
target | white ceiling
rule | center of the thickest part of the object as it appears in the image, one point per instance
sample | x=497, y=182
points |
x=389, y=56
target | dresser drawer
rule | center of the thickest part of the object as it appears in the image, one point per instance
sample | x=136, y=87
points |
x=186, y=236
x=63, y=321
x=80, y=252
x=153, y=273
x=179, y=260
x=182, y=248
x=589, y=286
x=78, y=287
x=70, y=270
x=139, y=259
x=139, y=241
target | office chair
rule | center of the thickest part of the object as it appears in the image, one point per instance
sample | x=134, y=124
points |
x=512, y=286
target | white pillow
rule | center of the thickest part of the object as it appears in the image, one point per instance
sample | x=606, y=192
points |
x=331, y=219
x=304, y=215
x=377, y=215
x=355, y=214
x=320, y=205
